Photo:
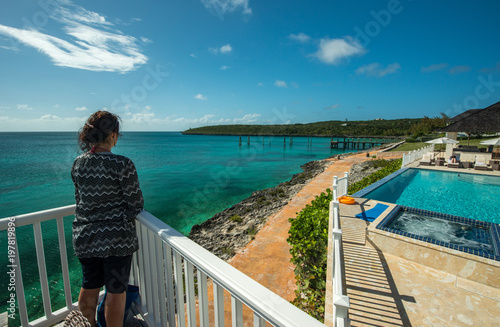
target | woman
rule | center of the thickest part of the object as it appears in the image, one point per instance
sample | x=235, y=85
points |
x=108, y=200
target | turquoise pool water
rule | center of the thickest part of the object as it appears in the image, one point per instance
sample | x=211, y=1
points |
x=455, y=193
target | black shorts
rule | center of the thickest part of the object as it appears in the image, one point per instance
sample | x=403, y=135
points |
x=112, y=272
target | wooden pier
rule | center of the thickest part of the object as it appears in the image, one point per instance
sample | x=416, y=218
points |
x=354, y=143
x=345, y=143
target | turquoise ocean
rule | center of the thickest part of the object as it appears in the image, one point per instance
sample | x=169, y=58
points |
x=185, y=180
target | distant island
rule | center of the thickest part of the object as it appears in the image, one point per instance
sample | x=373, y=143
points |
x=334, y=128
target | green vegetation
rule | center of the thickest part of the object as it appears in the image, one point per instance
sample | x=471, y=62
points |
x=228, y=251
x=252, y=231
x=308, y=237
x=418, y=145
x=406, y=147
x=395, y=127
x=428, y=125
x=236, y=218
x=390, y=166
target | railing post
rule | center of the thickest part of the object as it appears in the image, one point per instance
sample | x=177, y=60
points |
x=64, y=262
x=346, y=176
x=21, y=299
x=334, y=188
x=341, y=307
x=42, y=270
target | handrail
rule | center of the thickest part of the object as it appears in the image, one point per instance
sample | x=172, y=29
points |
x=339, y=298
x=35, y=218
x=265, y=304
x=164, y=269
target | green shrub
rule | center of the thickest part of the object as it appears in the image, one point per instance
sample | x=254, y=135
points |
x=228, y=250
x=392, y=166
x=308, y=237
x=412, y=140
x=236, y=218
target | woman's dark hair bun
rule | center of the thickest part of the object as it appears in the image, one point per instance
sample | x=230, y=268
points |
x=97, y=129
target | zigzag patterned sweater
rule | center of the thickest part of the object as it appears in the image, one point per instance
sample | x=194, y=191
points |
x=108, y=199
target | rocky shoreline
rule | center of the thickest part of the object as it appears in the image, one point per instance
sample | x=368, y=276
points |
x=232, y=229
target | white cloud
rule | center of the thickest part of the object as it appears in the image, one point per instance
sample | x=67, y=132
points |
x=223, y=49
x=68, y=12
x=200, y=97
x=301, y=37
x=50, y=117
x=260, y=84
x=224, y=67
x=279, y=83
x=487, y=70
x=222, y=7
x=459, y=69
x=12, y=48
x=81, y=109
x=377, y=70
x=333, y=51
x=192, y=55
x=332, y=107
x=250, y=118
x=197, y=121
x=91, y=43
x=226, y=48
x=433, y=68
x=146, y=40
x=145, y=116
x=142, y=120
x=23, y=107
x=48, y=122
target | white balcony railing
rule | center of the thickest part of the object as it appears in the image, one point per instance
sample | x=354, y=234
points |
x=164, y=268
x=415, y=155
x=340, y=300
x=340, y=186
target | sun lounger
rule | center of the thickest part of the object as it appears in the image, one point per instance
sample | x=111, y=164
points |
x=480, y=164
x=426, y=160
x=373, y=213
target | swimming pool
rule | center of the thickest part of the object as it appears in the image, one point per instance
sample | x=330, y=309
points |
x=455, y=193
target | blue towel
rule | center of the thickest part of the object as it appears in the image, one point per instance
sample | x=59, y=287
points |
x=372, y=214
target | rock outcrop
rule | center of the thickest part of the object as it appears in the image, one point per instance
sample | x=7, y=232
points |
x=232, y=229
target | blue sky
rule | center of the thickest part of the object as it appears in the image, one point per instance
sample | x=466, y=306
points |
x=171, y=65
